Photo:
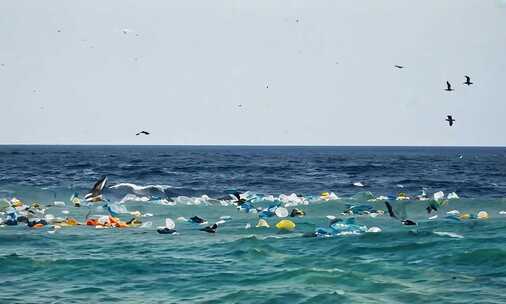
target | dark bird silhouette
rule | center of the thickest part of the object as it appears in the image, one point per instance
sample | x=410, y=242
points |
x=448, y=87
x=142, y=132
x=210, y=229
x=240, y=200
x=468, y=80
x=430, y=208
x=95, y=194
x=399, y=66
x=406, y=222
x=390, y=210
x=197, y=220
x=450, y=120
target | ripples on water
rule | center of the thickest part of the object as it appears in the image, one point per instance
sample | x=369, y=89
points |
x=439, y=261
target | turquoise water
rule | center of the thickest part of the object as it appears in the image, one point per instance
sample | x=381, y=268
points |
x=440, y=260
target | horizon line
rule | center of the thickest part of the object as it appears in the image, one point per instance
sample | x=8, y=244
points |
x=267, y=145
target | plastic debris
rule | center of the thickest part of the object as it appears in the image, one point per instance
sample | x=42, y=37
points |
x=286, y=225
x=438, y=196
x=281, y=212
x=483, y=215
x=374, y=230
x=262, y=224
x=452, y=195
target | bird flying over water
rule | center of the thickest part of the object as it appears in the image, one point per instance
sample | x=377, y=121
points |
x=406, y=222
x=450, y=120
x=448, y=87
x=95, y=194
x=468, y=80
x=142, y=132
x=399, y=66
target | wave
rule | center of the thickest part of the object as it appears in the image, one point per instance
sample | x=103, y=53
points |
x=134, y=198
x=449, y=234
x=141, y=189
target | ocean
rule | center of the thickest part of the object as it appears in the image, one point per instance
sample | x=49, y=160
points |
x=450, y=258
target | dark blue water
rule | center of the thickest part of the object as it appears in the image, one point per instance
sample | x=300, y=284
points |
x=439, y=260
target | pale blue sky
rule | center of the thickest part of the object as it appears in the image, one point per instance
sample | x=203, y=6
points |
x=184, y=66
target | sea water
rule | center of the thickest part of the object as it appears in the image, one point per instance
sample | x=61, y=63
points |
x=439, y=260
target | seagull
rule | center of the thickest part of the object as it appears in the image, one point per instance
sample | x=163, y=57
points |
x=406, y=222
x=448, y=87
x=399, y=66
x=142, y=132
x=125, y=31
x=450, y=120
x=240, y=200
x=468, y=80
x=95, y=194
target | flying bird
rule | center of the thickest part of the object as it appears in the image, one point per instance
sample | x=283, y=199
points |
x=240, y=200
x=450, y=120
x=448, y=87
x=406, y=222
x=95, y=194
x=142, y=132
x=399, y=66
x=468, y=80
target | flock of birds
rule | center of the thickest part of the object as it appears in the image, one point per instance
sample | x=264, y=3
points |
x=449, y=118
x=449, y=88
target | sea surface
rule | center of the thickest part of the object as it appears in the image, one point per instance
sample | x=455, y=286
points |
x=438, y=261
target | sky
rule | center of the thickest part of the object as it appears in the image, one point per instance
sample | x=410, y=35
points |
x=266, y=72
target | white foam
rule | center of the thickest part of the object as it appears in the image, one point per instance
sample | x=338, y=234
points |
x=133, y=198
x=449, y=234
x=141, y=189
x=358, y=184
x=202, y=200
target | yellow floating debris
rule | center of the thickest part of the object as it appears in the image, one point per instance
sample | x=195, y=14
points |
x=285, y=225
